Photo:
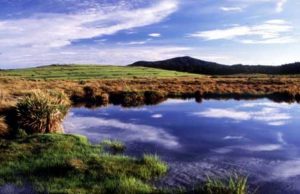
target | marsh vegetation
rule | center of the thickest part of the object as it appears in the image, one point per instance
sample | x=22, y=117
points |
x=68, y=163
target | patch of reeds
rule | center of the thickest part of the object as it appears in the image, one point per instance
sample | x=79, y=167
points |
x=234, y=185
x=153, y=162
x=42, y=112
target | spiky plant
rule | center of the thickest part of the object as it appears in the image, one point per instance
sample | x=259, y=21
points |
x=42, y=112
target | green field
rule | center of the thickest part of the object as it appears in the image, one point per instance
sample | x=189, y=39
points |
x=82, y=72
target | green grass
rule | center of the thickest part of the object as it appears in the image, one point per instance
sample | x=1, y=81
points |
x=234, y=185
x=83, y=72
x=114, y=145
x=58, y=163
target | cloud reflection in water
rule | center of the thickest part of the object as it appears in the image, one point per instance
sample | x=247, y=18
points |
x=96, y=128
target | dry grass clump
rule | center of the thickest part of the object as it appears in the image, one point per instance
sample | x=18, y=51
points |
x=42, y=112
x=5, y=99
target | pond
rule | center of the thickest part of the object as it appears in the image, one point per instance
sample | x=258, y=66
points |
x=255, y=138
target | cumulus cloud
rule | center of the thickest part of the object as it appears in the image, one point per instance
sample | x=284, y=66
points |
x=271, y=115
x=98, y=129
x=269, y=32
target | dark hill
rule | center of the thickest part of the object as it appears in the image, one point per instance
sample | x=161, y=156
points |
x=192, y=65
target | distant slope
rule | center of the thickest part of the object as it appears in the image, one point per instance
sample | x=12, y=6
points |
x=83, y=72
x=192, y=65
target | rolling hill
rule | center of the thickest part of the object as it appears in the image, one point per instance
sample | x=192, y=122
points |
x=192, y=65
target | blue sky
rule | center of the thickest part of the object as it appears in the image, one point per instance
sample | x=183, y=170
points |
x=119, y=32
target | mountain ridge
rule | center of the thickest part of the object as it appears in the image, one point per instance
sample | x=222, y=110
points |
x=193, y=65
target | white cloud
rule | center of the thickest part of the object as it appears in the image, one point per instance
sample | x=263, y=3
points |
x=280, y=5
x=273, y=116
x=42, y=34
x=280, y=138
x=97, y=129
x=229, y=137
x=263, y=148
x=225, y=113
x=155, y=35
x=57, y=30
x=119, y=55
x=157, y=116
x=231, y=9
x=250, y=148
x=287, y=169
x=269, y=32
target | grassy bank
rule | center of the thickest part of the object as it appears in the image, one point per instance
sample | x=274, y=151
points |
x=69, y=164
x=57, y=163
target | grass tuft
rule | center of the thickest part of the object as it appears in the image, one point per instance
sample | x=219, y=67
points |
x=234, y=185
x=153, y=162
x=42, y=112
x=114, y=145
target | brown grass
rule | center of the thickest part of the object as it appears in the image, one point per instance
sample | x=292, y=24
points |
x=101, y=91
x=135, y=92
x=4, y=131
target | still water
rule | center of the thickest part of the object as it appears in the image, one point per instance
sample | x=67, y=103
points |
x=259, y=139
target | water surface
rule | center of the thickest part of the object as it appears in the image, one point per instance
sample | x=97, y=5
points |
x=257, y=138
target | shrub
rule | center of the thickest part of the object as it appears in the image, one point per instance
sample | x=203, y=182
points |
x=42, y=112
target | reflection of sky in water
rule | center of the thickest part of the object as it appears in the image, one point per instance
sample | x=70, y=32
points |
x=259, y=138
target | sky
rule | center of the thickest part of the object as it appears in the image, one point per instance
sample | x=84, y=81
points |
x=120, y=32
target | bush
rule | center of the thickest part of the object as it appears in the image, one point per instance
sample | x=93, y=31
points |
x=42, y=112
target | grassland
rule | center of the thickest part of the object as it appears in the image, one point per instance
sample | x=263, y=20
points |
x=68, y=164
x=84, y=72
